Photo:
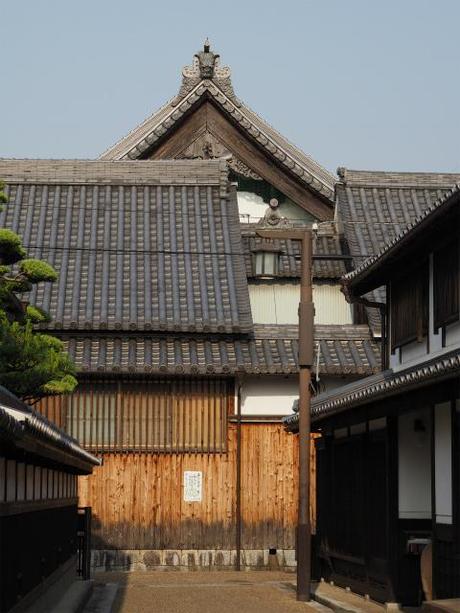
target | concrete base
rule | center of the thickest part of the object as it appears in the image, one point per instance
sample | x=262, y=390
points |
x=448, y=605
x=43, y=598
x=189, y=560
x=75, y=599
x=342, y=600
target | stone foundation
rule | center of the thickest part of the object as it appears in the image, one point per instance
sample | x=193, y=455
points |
x=189, y=560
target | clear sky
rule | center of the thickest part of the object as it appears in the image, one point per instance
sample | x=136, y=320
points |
x=372, y=84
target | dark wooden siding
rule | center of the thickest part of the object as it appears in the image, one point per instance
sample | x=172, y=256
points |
x=409, y=307
x=446, y=284
x=352, y=512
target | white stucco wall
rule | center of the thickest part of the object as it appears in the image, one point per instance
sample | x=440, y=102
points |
x=252, y=208
x=278, y=303
x=274, y=395
x=414, y=466
x=268, y=395
x=443, y=462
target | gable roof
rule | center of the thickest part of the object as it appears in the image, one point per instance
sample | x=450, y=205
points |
x=374, y=207
x=138, y=245
x=207, y=79
x=394, y=249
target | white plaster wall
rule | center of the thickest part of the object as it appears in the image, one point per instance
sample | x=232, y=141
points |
x=414, y=466
x=275, y=395
x=252, y=208
x=443, y=462
x=413, y=352
x=278, y=303
x=453, y=336
x=269, y=395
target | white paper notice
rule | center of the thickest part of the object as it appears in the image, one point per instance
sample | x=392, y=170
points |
x=193, y=486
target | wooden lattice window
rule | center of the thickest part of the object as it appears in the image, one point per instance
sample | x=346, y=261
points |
x=409, y=307
x=446, y=285
x=183, y=415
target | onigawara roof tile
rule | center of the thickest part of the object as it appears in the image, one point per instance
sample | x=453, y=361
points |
x=340, y=350
x=146, y=246
x=380, y=386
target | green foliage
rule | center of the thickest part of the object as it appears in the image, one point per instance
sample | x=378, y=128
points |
x=37, y=271
x=37, y=315
x=33, y=364
x=11, y=249
x=3, y=196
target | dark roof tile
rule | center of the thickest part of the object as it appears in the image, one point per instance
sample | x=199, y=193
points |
x=165, y=255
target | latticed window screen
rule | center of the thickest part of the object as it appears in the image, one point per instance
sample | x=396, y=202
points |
x=157, y=415
x=409, y=307
x=446, y=284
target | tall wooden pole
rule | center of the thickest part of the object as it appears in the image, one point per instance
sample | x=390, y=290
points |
x=306, y=312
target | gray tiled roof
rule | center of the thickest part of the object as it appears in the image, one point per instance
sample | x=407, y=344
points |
x=323, y=244
x=138, y=245
x=374, y=207
x=18, y=421
x=379, y=386
x=344, y=350
x=449, y=199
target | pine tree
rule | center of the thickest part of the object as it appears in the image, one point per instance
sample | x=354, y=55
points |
x=32, y=364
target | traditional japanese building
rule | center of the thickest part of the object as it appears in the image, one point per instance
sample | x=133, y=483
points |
x=185, y=340
x=39, y=469
x=387, y=461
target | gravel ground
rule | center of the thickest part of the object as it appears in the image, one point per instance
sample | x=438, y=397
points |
x=204, y=592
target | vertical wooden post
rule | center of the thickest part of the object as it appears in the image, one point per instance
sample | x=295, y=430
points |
x=238, y=479
x=306, y=312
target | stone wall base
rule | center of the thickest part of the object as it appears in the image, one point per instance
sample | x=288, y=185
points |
x=189, y=560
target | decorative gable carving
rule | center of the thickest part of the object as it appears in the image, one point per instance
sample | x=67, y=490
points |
x=208, y=147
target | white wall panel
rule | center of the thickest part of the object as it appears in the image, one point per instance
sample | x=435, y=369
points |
x=414, y=465
x=278, y=303
x=443, y=462
x=268, y=396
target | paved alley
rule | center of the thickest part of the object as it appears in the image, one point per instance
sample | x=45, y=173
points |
x=201, y=592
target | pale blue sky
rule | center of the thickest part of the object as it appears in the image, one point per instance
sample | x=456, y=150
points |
x=361, y=83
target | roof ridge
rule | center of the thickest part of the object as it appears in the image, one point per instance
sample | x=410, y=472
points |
x=350, y=177
x=295, y=147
